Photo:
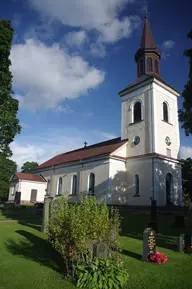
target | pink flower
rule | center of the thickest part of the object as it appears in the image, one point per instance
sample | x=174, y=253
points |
x=158, y=257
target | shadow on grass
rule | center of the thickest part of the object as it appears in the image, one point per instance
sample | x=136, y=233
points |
x=25, y=215
x=36, y=249
x=132, y=254
x=134, y=225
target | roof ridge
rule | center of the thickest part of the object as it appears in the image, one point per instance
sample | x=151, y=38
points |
x=92, y=146
x=101, y=148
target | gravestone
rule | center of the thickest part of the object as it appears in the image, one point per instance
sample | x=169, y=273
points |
x=187, y=243
x=181, y=243
x=101, y=250
x=149, y=243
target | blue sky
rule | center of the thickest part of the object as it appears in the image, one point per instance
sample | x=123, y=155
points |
x=71, y=58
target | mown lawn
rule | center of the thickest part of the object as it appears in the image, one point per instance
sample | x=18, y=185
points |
x=28, y=261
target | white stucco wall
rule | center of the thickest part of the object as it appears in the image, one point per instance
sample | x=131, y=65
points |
x=162, y=167
x=143, y=129
x=117, y=182
x=121, y=152
x=27, y=186
x=82, y=170
x=14, y=187
x=163, y=129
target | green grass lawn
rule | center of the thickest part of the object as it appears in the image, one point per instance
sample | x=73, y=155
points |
x=28, y=261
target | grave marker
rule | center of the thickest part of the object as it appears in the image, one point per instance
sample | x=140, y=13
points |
x=149, y=243
x=101, y=250
x=185, y=243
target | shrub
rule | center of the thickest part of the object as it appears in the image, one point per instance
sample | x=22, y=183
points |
x=101, y=273
x=74, y=228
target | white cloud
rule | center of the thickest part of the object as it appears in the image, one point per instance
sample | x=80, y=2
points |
x=47, y=75
x=90, y=14
x=76, y=38
x=168, y=44
x=97, y=49
x=65, y=108
x=117, y=29
x=185, y=152
x=25, y=125
x=42, y=147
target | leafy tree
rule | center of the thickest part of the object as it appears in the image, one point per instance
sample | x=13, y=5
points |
x=185, y=114
x=187, y=178
x=7, y=169
x=9, y=123
x=28, y=167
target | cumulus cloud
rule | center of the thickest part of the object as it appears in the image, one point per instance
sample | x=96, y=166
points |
x=76, y=38
x=90, y=14
x=166, y=47
x=117, y=29
x=185, y=152
x=42, y=147
x=47, y=75
x=168, y=44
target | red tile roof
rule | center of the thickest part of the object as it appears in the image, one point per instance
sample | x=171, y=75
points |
x=99, y=149
x=30, y=177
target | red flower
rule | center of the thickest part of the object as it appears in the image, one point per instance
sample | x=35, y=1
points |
x=158, y=258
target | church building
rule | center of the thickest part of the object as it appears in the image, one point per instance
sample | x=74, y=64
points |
x=142, y=164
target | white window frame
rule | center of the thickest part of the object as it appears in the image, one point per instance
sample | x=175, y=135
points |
x=132, y=109
x=89, y=182
x=57, y=192
x=134, y=185
x=168, y=111
x=71, y=194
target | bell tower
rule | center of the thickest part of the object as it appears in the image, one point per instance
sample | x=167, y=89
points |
x=149, y=121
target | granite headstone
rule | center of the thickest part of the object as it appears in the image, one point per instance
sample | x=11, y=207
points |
x=149, y=243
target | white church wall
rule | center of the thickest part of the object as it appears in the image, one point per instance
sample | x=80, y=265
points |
x=143, y=128
x=117, y=182
x=100, y=168
x=126, y=111
x=142, y=167
x=162, y=168
x=121, y=152
x=163, y=129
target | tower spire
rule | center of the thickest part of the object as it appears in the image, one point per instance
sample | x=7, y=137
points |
x=148, y=55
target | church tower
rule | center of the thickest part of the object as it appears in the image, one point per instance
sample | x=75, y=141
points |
x=150, y=123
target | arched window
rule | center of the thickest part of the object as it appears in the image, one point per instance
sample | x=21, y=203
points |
x=91, y=189
x=149, y=64
x=165, y=112
x=74, y=185
x=137, y=112
x=59, y=186
x=169, y=188
x=141, y=67
x=136, y=185
x=156, y=66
